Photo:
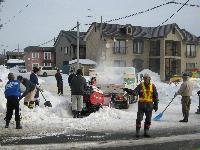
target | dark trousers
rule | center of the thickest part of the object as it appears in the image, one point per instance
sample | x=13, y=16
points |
x=144, y=108
x=186, y=101
x=60, y=87
x=12, y=104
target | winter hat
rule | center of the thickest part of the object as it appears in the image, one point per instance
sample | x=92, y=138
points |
x=35, y=69
x=146, y=75
x=79, y=72
x=19, y=78
x=11, y=76
x=185, y=75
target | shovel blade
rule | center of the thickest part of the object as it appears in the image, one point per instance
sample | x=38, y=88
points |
x=47, y=104
x=158, y=117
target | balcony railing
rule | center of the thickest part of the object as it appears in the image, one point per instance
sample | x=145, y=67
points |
x=119, y=50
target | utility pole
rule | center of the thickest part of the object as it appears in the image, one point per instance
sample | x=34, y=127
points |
x=101, y=43
x=18, y=51
x=77, y=45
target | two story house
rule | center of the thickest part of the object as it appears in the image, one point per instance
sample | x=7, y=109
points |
x=39, y=56
x=66, y=47
x=166, y=50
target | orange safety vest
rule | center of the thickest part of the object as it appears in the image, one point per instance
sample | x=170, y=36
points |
x=147, y=94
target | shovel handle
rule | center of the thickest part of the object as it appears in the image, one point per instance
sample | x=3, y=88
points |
x=43, y=96
x=168, y=104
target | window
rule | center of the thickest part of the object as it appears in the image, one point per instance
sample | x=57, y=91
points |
x=66, y=50
x=35, y=55
x=138, y=46
x=35, y=65
x=190, y=66
x=119, y=63
x=47, y=64
x=47, y=55
x=190, y=51
x=155, y=48
x=119, y=47
x=61, y=49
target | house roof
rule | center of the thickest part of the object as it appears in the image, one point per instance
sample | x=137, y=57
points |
x=114, y=30
x=71, y=36
x=14, y=53
x=83, y=61
x=38, y=49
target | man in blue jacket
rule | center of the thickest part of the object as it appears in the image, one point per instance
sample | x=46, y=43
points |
x=12, y=94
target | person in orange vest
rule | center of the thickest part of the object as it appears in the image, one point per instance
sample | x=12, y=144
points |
x=148, y=100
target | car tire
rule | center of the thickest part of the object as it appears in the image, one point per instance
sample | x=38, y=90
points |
x=45, y=74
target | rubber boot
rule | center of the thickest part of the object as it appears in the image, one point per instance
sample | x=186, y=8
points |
x=31, y=105
x=7, y=123
x=184, y=120
x=18, y=125
x=79, y=114
x=37, y=103
x=74, y=112
x=137, y=135
x=146, y=133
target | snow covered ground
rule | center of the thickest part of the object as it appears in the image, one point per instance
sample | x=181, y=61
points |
x=58, y=119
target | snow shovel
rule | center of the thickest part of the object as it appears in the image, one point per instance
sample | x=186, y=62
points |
x=46, y=103
x=159, y=116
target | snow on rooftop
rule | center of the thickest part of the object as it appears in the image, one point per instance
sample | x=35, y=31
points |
x=15, y=61
x=83, y=61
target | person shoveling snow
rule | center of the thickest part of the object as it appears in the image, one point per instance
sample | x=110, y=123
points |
x=185, y=91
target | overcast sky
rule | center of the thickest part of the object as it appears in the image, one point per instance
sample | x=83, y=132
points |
x=42, y=20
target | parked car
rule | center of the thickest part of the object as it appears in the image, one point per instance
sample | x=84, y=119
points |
x=22, y=69
x=47, y=71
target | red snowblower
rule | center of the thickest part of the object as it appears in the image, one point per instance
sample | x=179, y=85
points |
x=93, y=99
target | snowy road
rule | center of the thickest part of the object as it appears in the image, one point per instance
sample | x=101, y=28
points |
x=169, y=138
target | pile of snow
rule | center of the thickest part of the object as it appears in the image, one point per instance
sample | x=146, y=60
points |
x=154, y=76
x=107, y=119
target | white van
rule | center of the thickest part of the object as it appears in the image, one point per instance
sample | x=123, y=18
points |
x=47, y=71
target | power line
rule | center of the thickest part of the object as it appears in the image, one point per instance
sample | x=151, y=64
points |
x=175, y=13
x=192, y=5
x=140, y=12
x=9, y=20
x=44, y=43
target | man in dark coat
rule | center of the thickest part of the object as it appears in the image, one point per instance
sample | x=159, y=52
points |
x=34, y=80
x=59, y=80
x=78, y=86
x=29, y=92
x=71, y=77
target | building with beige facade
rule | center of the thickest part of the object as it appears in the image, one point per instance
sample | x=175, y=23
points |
x=166, y=50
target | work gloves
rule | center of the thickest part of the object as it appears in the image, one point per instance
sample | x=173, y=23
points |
x=129, y=91
x=155, y=106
